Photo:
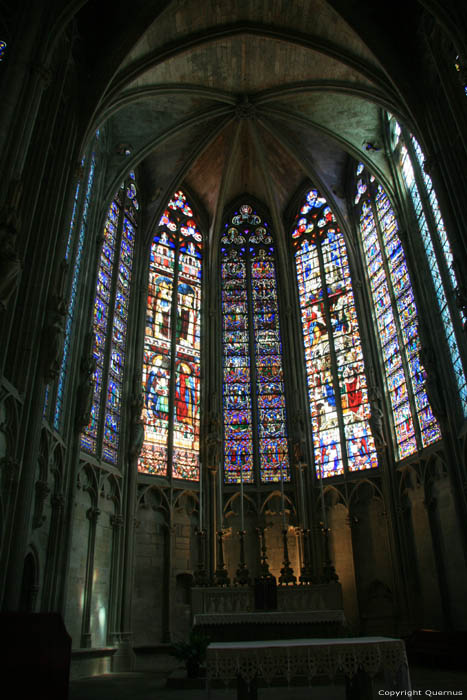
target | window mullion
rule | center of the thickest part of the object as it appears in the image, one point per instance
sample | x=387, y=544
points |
x=173, y=359
x=333, y=356
x=253, y=373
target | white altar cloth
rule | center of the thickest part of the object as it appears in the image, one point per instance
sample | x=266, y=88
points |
x=307, y=657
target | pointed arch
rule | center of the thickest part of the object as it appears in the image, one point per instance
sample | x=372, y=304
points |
x=335, y=371
x=438, y=251
x=101, y=436
x=172, y=348
x=396, y=317
x=255, y=420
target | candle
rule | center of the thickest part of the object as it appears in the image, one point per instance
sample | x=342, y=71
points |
x=242, y=516
x=200, y=496
x=219, y=496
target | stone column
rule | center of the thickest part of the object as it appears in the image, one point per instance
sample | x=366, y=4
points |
x=52, y=571
x=116, y=568
x=92, y=515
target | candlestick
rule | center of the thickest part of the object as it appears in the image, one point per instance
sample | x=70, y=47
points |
x=300, y=466
x=282, y=498
x=200, y=496
x=321, y=489
x=219, y=495
x=242, y=515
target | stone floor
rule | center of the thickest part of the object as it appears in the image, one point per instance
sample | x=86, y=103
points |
x=146, y=685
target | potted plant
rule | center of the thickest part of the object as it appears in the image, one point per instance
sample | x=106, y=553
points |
x=192, y=652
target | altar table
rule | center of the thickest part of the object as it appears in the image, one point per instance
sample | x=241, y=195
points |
x=266, y=625
x=357, y=658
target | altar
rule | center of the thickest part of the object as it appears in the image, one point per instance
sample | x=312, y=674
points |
x=236, y=599
x=369, y=664
x=267, y=625
x=229, y=613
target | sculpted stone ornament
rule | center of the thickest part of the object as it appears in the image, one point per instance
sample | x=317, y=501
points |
x=432, y=382
x=377, y=415
x=136, y=427
x=213, y=442
x=10, y=263
x=245, y=109
x=86, y=385
x=53, y=336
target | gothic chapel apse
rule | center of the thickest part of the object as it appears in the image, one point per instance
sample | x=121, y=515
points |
x=233, y=313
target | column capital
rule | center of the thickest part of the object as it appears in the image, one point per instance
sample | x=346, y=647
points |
x=116, y=521
x=93, y=514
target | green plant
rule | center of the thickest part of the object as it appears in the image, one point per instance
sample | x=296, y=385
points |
x=193, y=651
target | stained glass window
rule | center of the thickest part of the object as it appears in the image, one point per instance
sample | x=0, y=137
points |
x=75, y=276
x=461, y=73
x=171, y=367
x=395, y=314
x=437, y=249
x=337, y=386
x=3, y=47
x=255, y=430
x=110, y=323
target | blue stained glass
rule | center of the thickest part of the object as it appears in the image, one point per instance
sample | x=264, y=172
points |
x=256, y=296
x=109, y=325
x=342, y=331
x=410, y=181
x=397, y=338
x=74, y=288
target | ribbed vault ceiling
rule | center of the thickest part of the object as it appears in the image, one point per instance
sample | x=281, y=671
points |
x=245, y=96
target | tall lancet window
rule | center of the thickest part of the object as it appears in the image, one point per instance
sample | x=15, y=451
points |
x=255, y=433
x=337, y=385
x=438, y=251
x=101, y=436
x=171, y=368
x=395, y=315
x=73, y=255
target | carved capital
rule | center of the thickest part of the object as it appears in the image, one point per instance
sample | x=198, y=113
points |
x=58, y=501
x=116, y=521
x=42, y=491
x=92, y=514
x=10, y=470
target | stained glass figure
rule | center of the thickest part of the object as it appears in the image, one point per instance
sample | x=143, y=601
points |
x=395, y=314
x=171, y=366
x=255, y=431
x=438, y=251
x=110, y=324
x=337, y=386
